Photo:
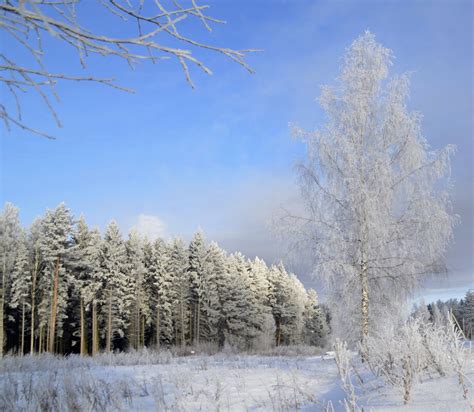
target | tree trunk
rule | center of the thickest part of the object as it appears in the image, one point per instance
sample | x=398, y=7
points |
x=158, y=331
x=54, y=304
x=40, y=349
x=22, y=346
x=109, y=325
x=33, y=307
x=181, y=311
x=83, y=331
x=198, y=320
x=143, y=332
x=364, y=280
x=278, y=333
x=95, y=330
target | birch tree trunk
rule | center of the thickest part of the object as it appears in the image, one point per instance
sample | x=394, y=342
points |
x=365, y=301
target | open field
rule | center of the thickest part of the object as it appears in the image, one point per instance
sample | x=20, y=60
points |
x=149, y=381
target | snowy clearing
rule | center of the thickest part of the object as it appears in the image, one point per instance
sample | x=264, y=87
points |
x=158, y=381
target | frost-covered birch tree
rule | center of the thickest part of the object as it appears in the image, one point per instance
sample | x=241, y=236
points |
x=377, y=211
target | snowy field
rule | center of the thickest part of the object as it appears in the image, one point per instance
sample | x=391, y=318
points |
x=150, y=381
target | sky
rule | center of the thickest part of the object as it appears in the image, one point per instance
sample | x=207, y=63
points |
x=168, y=159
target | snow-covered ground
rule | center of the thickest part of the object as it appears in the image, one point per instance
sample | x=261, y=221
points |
x=222, y=382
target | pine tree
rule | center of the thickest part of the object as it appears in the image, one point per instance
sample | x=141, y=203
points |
x=53, y=244
x=136, y=298
x=36, y=268
x=84, y=255
x=217, y=290
x=9, y=232
x=196, y=268
x=113, y=260
x=315, y=330
x=177, y=266
x=21, y=287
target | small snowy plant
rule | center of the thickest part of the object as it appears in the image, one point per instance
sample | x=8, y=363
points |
x=405, y=354
x=343, y=358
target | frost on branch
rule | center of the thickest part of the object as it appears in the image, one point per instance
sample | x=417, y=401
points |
x=29, y=24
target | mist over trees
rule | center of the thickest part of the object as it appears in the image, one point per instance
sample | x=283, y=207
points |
x=66, y=288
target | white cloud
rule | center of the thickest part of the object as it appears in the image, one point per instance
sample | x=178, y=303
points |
x=150, y=226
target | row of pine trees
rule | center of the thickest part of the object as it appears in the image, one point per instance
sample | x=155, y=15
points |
x=68, y=289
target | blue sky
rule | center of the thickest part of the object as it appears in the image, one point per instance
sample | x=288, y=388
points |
x=220, y=157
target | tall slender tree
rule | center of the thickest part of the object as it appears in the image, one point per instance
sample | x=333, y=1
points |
x=113, y=261
x=21, y=288
x=9, y=232
x=53, y=244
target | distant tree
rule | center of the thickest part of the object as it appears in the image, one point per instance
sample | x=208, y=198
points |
x=218, y=292
x=36, y=267
x=196, y=271
x=9, y=234
x=55, y=280
x=21, y=287
x=315, y=330
x=136, y=298
x=85, y=255
x=377, y=213
x=113, y=261
x=29, y=25
x=177, y=266
x=466, y=314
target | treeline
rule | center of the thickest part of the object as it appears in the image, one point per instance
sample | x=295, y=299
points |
x=462, y=310
x=68, y=289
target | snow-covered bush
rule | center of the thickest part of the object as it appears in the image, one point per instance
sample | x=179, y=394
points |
x=403, y=355
x=343, y=357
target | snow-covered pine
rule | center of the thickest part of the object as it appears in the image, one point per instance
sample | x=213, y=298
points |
x=84, y=256
x=377, y=212
x=136, y=298
x=9, y=232
x=177, y=266
x=36, y=267
x=164, y=285
x=20, y=293
x=209, y=311
x=244, y=318
x=217, y=291
x=54, y=282
x=315, y=330
x=197, y=256
x=113, y=260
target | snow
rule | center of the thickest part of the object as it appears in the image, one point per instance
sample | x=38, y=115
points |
x=148, y=382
